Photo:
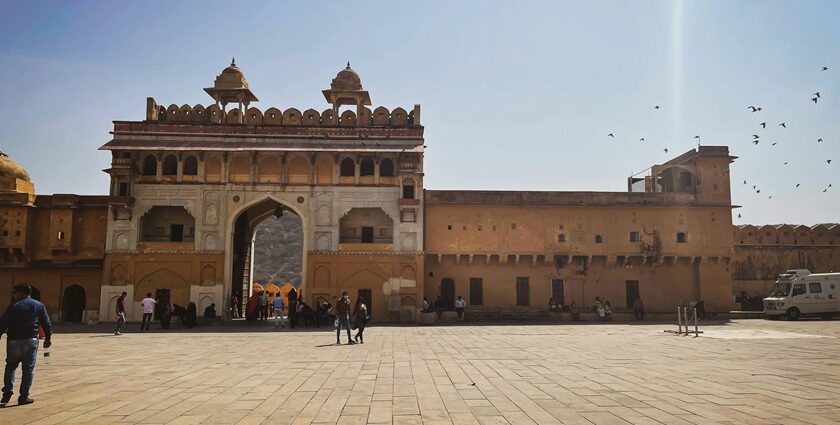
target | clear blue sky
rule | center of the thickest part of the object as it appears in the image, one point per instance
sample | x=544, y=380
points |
x=515, y=95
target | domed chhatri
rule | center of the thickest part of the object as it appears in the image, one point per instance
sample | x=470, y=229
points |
x=346, y=89
x=231, y=87
x=9, y=168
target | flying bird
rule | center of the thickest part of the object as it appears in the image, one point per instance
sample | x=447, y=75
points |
x=611, y=135
x=819, y=140
x=763, y=125
x=797, y=185
x=755, y=136
x=770, y=197
x=666, y=150
x=817, y=94
x=825, y=190
x=828, y=161
x=786, y=163
x=656, y=107
x=825, y=68
x=739, y=215
x=758, y=191
x=774, y=143
x=745, y=182
x=642, y=139
x=782, y=125
x=753, y=186
x=755, y=142
x=815, y=99
x=754, y=108
x=829, y=185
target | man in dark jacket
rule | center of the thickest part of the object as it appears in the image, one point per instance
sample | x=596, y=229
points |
x=342, y=312
x=21, y=321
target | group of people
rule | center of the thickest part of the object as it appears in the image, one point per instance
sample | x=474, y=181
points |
x=602, y=308
x=187, y=316
x=440, y=305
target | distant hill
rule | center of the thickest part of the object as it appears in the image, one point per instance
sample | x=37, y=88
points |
x=278, y=251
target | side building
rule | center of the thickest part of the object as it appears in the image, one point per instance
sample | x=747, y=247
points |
x=54, y=243
x=668, y=239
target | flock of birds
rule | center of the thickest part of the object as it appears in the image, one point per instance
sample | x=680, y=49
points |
x=756, y=139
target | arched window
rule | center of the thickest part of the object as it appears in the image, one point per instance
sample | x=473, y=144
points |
x=348, y=167
x=599, y=239
x=386, y=168
x=682, y=237
x=170, y=165
x=149, y=165
x=366, y=168
x=191, y=166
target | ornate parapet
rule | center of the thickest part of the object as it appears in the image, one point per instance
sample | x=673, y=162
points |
x=292, y=117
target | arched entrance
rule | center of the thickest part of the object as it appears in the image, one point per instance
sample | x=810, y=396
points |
x=279, y=255
x=73, y=304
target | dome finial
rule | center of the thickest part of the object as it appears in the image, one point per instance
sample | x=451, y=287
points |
x=232, y=61
x=348, y=64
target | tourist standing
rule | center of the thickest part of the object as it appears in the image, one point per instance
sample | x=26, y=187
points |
x=342, y=307
x=264, y=305
x=599, y=308
x=22, y=320
x=292, y=308
x=360, y=314
x=460, y=305
x=148, y=304
x=120, y=313
x=639, y=309
x=278, y=309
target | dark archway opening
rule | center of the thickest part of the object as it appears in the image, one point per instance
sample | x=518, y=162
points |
x=447, y=293
x=267, y=248
x=73, y=304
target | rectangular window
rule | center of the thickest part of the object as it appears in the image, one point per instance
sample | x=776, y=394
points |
x=523, y=295
x=632, y=291
x=561, y=237
x=634, y=237
x=367, y=234
x=60, y=235
x=682, y=237
x=798, y=289
x=123, y=189
x=558, y=291
x=815, y=288
x=476, y=291
x=408, y=191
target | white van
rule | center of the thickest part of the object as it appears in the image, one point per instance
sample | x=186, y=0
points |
x=800, y=293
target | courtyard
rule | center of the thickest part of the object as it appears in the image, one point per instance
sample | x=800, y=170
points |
x=738, y=372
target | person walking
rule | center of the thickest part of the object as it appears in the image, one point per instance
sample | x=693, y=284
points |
x=148, y=304
x=342, y=307
x=120, y=313
x=21, y=320
x=278, y=310
x=360, y=313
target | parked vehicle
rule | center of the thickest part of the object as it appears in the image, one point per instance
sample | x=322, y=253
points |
x=799, y=293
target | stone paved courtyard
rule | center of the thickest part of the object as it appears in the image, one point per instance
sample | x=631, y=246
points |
x=741, y=372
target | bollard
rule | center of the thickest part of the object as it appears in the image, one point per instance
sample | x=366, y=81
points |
x=696, y=328
x=679, y=321
x=685, y=313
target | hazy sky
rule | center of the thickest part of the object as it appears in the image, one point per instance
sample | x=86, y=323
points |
x=515, y=95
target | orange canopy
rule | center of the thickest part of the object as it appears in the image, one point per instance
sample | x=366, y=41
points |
x=257, y=288
x=272, y=289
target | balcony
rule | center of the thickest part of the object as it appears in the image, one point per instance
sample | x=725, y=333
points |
x=366, y=247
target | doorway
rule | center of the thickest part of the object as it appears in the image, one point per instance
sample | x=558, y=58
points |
x=558, y=292
x=163, y=299
x=523, y=291
x=632, y=290
x=577, y=293
x=73, y=304
x=367, y=294
x=447, y=293
x=176, y=233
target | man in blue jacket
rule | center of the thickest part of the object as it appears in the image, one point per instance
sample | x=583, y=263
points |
x=21, y=321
